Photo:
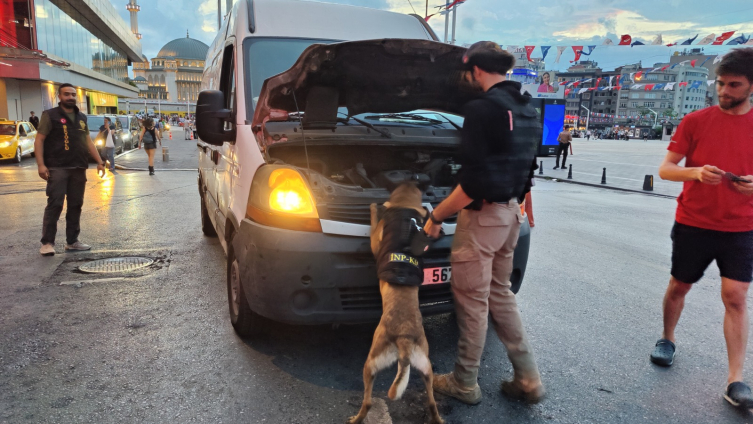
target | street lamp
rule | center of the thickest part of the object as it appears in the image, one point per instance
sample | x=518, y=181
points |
x=588, y=117
x=656, y=115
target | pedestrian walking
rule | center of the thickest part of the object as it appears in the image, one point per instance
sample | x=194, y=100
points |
x=565, y=139
x=497, y=151
x=33, y=120
x=645, y=136
x=149, y=139
x=105, y=131
x=63, y=147
x=714, y=218
x=588, y=135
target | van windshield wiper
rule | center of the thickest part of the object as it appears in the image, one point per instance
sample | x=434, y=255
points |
x=368, y=125
x=406, y=117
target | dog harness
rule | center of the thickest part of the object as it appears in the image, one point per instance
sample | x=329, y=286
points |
x=395, y=263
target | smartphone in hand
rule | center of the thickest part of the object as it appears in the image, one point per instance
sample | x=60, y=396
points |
x=734, y=178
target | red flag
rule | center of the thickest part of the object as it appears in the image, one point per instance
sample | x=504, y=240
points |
x=592, y=89
x=575, y=84
x=649, y=87
x=638, y=75
x=529, y=50
x=671, y=44
x=626, y=40
x=564, y=82
x=567, y=91
x=577, y=50
x=427, y=18
x=664, y=68
x=682, y=84
x=722, y=38
x=692, y=63
x=598, y=80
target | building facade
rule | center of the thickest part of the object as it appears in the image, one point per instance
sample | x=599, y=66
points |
x=82, y=42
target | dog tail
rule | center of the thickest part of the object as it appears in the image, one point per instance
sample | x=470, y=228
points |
x=405, y=349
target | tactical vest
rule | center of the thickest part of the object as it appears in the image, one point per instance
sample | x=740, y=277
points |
x=395, y=264
x=509, y=174
x=65, y=146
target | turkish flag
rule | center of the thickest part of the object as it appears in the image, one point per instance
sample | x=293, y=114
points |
x=529, y=50
x=577, y=50
x=567, y=91
x=722, y=38
x=692, y=63
x=626, y=40
x=649, y=87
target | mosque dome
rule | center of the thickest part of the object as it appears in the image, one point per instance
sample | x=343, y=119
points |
x=184, y=48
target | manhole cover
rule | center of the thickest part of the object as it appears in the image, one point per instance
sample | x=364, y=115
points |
x=116, y=264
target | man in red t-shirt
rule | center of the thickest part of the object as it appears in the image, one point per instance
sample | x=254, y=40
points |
x=714, y=219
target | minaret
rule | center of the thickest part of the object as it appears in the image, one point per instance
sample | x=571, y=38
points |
x=134, y=9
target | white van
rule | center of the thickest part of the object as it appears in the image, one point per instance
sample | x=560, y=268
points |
x=309, y=113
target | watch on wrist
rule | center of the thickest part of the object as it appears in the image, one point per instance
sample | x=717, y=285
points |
x=433, y=219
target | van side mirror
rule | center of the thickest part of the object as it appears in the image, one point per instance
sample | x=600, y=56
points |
x=211, y=117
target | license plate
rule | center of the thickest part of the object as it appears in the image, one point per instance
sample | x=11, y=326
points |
x=437, y=275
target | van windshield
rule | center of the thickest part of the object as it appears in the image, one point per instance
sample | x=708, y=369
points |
x=95, y=122
x=267, y=57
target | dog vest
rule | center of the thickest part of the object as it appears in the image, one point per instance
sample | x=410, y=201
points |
x=395, y=264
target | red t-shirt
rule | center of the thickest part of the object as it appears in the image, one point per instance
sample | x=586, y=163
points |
x=712, y=137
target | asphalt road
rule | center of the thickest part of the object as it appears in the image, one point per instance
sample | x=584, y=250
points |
x=157, y=345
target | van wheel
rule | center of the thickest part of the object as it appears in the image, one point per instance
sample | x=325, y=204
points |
x=245, y=321
x=17, y=158
x=206, y=223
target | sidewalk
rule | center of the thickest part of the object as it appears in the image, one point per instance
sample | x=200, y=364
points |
x=183, y=154
x=627, y=162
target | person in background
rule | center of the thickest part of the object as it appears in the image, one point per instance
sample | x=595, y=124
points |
x=149, y=139
x=105, y=131
x=33, y=120
x=63, y=148
x=564, y=139
x=714, y=218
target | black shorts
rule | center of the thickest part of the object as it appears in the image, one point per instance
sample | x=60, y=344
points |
x=694, y=248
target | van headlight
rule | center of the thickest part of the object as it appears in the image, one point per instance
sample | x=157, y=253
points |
x=280, y=197
x=100, y=142
x=5, y=144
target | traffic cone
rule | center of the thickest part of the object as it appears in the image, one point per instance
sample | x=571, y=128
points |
x=171, y=135
x=191, y=135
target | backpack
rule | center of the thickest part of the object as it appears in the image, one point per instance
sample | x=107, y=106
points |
x=149, y=136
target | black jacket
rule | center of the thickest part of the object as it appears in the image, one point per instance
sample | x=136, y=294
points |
x=395, y=264
x=66, y=144
x=499, y=140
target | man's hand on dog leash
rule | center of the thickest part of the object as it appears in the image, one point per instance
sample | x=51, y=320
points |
x=431, y=229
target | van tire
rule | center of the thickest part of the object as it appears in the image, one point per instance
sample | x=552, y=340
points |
x=206, y=223
x=18, y=156
x=245, y=321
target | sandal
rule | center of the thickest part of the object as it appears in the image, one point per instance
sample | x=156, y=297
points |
x=664, y=353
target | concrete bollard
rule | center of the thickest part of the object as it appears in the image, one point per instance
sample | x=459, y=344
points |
x=165, y=154
x=648, y=183
x=604, y=176
x=541, y=168
x=570, y=173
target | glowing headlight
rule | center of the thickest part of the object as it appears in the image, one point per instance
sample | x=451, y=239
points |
x=5, y=144
x=167, y=127
x=289, y=193
x=127, y=136
x=100, y=142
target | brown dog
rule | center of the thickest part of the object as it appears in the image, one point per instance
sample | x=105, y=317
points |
x=400, y=335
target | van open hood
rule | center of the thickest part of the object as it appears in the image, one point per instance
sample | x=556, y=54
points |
x=376, y=76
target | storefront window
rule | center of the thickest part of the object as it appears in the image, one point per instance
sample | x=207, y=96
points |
x=16, y=25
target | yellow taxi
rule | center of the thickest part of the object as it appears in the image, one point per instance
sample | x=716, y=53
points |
x=16, y=139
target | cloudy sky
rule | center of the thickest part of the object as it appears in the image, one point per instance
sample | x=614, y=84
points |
x=509, y=22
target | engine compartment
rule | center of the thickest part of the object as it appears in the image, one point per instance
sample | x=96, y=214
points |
x=373, y=166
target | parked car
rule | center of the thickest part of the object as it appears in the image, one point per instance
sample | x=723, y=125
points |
x=131, y=129
x=16, y=140
x=95, y=122
x=290, y=161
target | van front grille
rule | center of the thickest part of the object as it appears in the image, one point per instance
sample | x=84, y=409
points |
x=355, y=213
x=370, y=299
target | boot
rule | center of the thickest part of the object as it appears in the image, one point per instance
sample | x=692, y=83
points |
x=448, y=386
x=151, y=170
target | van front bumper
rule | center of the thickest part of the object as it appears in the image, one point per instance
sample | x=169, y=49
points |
x=316, y=278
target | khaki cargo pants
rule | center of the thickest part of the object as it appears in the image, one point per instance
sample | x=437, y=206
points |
x=482, y=253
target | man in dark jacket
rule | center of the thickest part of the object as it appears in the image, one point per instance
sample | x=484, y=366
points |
x=498, y=145
x=63, y=147
x=33, y=120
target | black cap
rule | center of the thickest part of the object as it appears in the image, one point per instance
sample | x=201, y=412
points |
x=488, y=56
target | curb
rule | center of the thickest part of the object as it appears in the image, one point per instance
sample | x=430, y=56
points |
x=124, y=168
x=627, y=190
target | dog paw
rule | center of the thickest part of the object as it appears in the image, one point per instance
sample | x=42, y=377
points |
x=354, y=420
x=437, y=420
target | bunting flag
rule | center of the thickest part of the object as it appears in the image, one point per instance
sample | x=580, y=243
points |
x=664, y=68
x=611, y=79
x=511, y=49
x=608, y=42
x=704, y=62
x=638, y=75
x=560, y=49
x=567, y=91
x=749, y=43
x=625, y=40
x=671, y=44
x=739, y=40
x=637, y=43
x=529, y=50
x=722, y=38
x=682, y=84
x=544, y=51
x=590, y=50
x=649, y=87
x=582, y=90
x=692, y=62
x=707, y=39
x=696, y=84
x=689, y=41
x=709, y=82
x=428, y=17
x=598, y=81
x=669, y=86
x=718, y=58
x=659, y=86
x=657, y=41
x=577, y=50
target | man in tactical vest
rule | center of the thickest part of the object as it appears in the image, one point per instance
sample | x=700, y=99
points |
x=497, y=151
x=63, y=147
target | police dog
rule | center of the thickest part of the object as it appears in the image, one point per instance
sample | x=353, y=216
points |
x=400, y=335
